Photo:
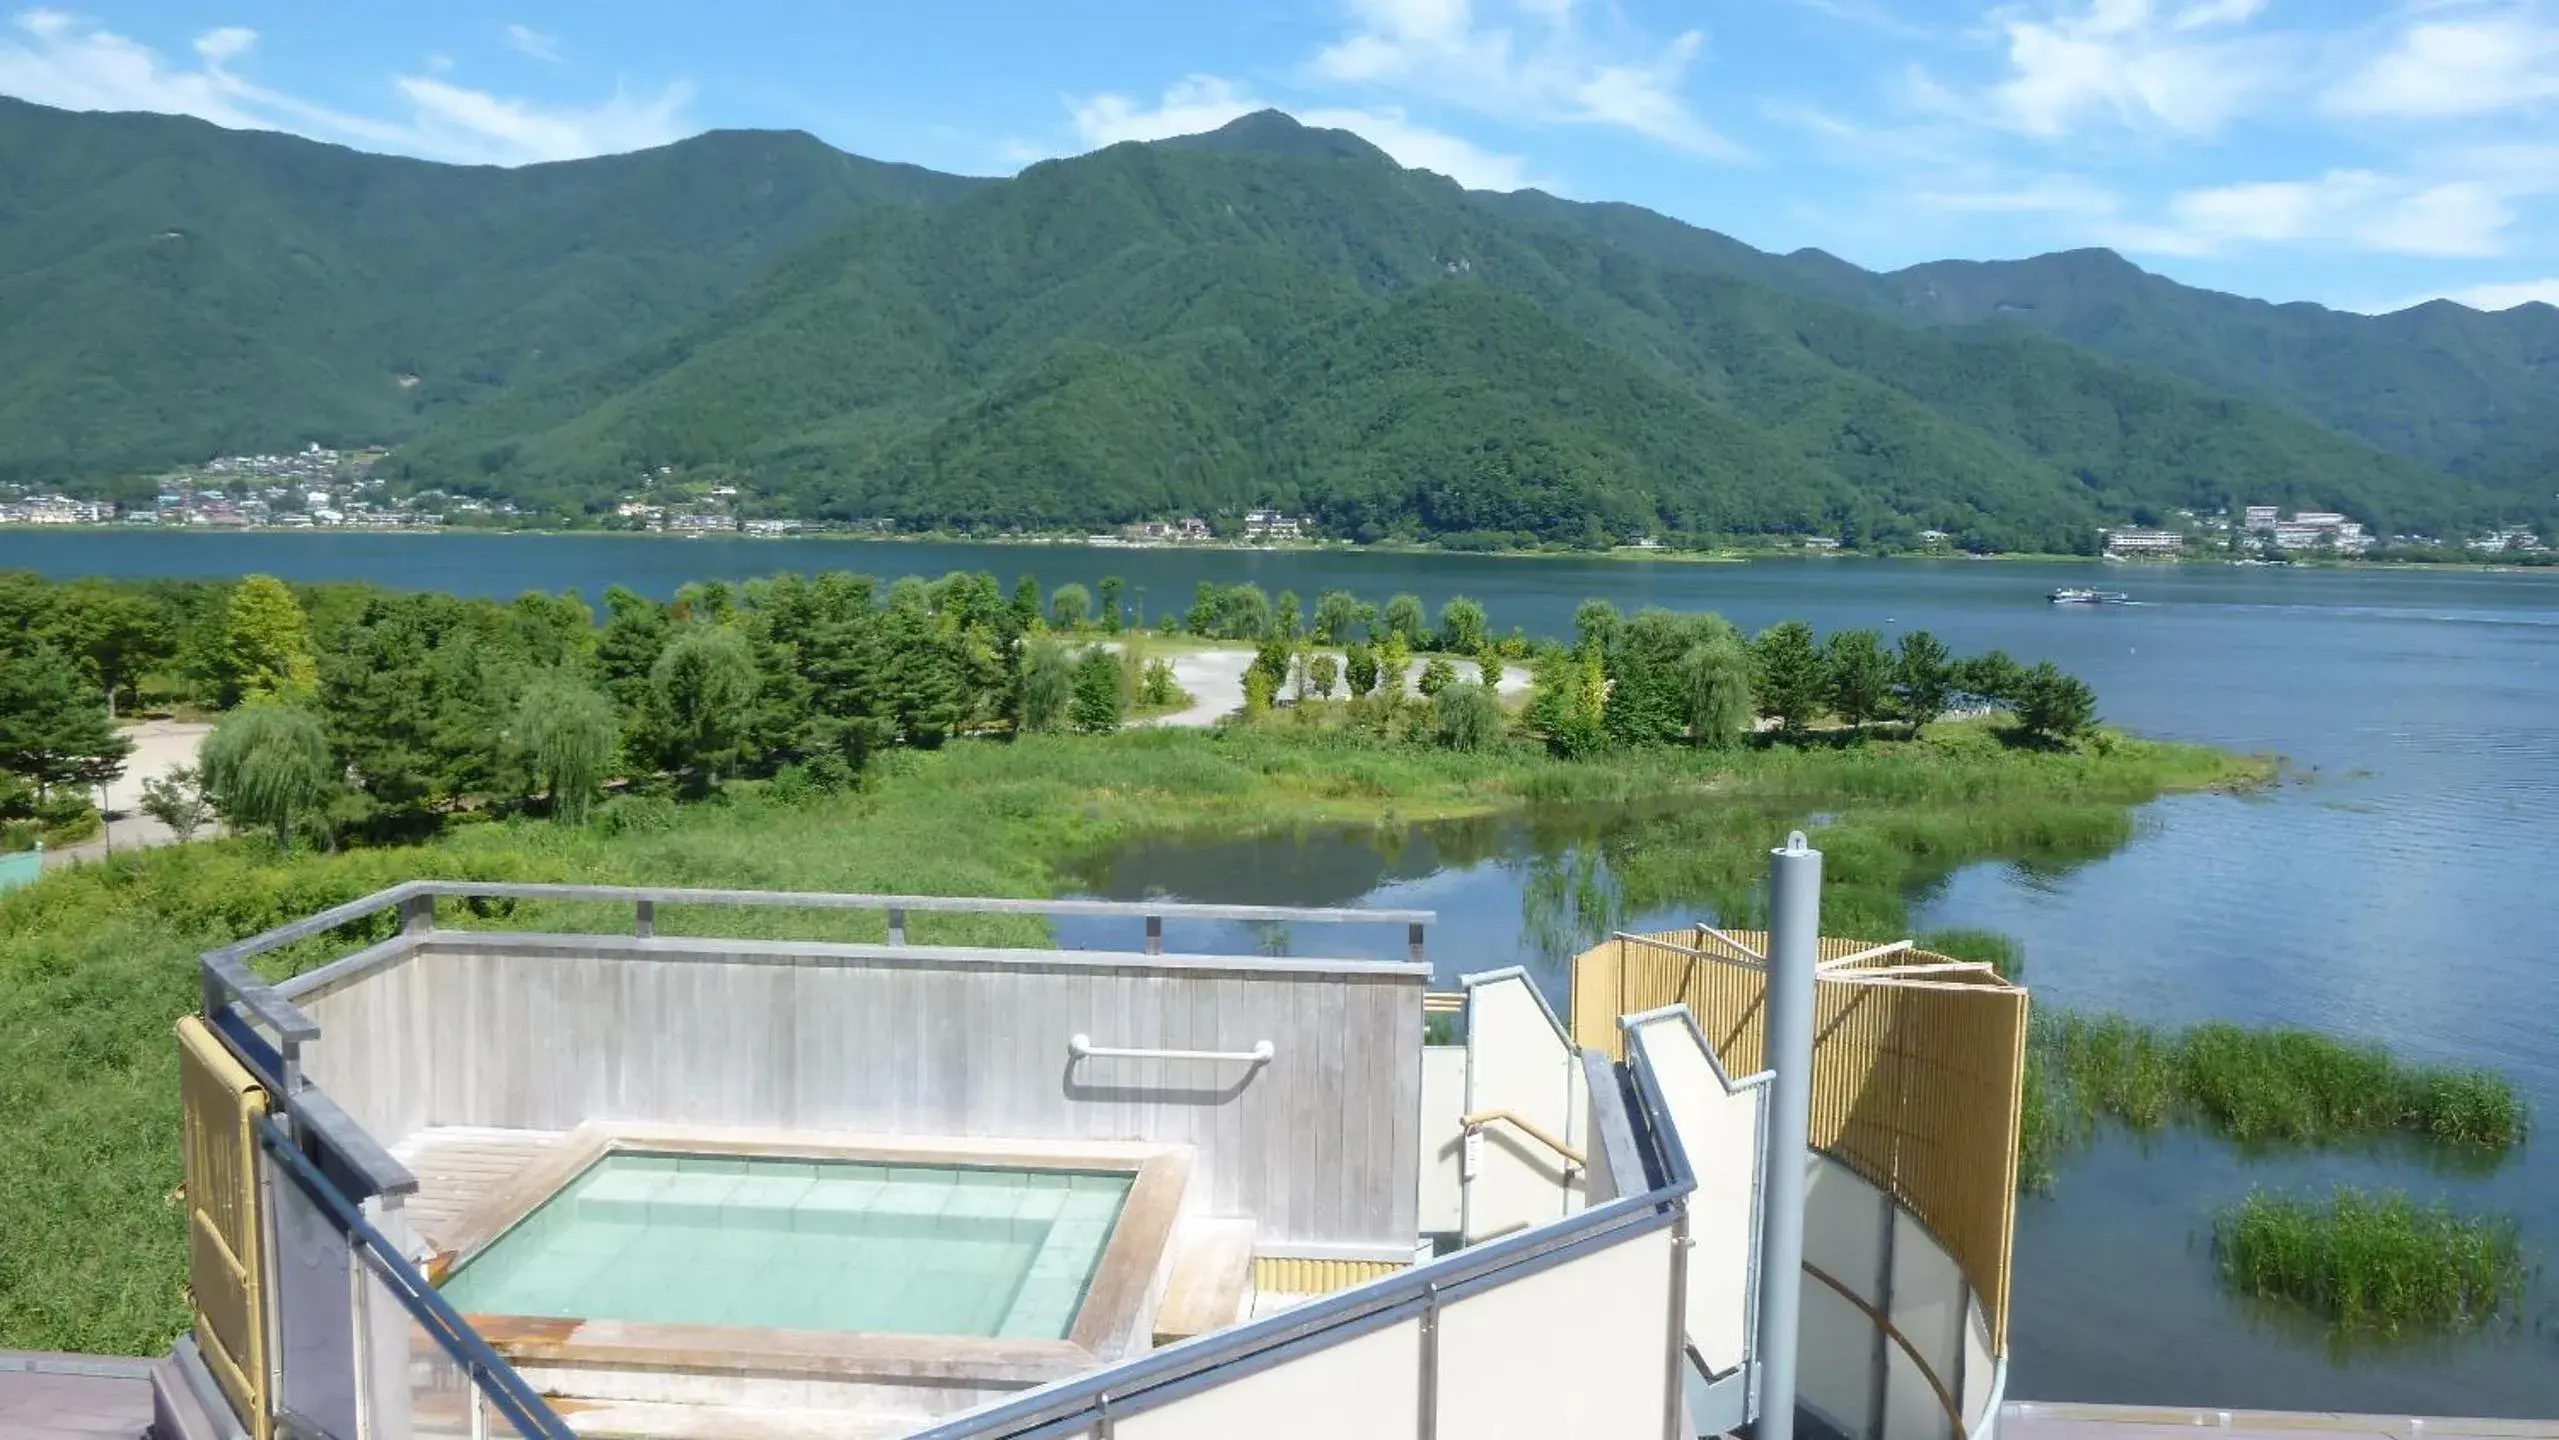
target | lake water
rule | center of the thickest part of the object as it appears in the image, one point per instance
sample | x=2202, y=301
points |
x=2403, y=893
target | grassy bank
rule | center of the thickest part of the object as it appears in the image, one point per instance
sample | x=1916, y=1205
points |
x=96, y=962
x=2275, y=1086
x=2372, y=1263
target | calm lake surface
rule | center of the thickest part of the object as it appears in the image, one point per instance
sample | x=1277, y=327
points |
x=2407, y=891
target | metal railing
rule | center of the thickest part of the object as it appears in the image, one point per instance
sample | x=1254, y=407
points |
x=416, y=902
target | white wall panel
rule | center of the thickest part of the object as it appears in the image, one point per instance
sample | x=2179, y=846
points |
x=1368, y=1388
x=1576, y=1352
x=1516, y=1061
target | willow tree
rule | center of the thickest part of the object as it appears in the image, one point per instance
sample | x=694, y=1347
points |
x=267, y=765
x=1048, y=684
x=565, y=733
x=1715, y=683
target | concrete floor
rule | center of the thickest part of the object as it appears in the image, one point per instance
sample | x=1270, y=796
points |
x=2042, y=1421
x=73, y=1397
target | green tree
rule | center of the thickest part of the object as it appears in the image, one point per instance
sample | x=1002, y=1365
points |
x=1025, y=604
x=1098, y=702
x=1394, y=668
x=1270, y=661
x=1469, y=717
x=266, y=644
x=266, y=766
x=1437, y=675
x=1323, y=672
x=1647, y=698
x=702, y=694
x=1858, y=675
x=1463, y=628
x=1159, y=690
x=1114, y=614
x=1596, y=624
x=1202, y=621
x=1791, y=681
x=1569, y=705
x=552, y=632
x=1069, y=606
x=1404, y=616
x=54, y=726
x=1243, y=613
x=926, y=680
x=1048, y=684
x=1488, y=668
x=116, y=634
x=1361, y=669
x=1715, y=682
x=1923, y=677
x=1336, y=617
x=1990, y=676
x=2054, y=707
x=1258, y=694
x=175, y=798
x=634, y=633
x=1288, y=617
x=565, y=732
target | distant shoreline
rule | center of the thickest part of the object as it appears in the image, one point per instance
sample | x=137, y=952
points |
x=1622, y=554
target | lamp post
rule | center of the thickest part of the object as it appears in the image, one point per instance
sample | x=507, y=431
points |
x=1794, y=957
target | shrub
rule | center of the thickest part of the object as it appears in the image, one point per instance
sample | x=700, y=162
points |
x=1469, y=717
x=1437, y=675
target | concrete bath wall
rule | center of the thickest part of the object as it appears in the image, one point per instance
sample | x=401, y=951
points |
x=1319, y=1144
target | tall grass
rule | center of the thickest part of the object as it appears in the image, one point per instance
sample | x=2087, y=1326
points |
x=96, y=962
x=2378, y=1263
x=2275, y=1086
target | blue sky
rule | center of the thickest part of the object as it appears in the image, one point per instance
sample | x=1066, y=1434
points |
x=2360, y=153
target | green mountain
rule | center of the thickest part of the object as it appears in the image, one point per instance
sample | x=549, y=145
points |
x=170, y=290
x=1274, y=313
x=1268, y=313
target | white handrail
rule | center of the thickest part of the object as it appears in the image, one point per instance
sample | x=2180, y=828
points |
x=1083, y=1048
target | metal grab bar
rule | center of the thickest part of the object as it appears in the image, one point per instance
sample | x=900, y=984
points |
x=1527, y=1127
x=1083, y=1048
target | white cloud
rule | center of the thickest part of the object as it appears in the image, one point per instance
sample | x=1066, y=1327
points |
x=1537, y=62
x=2189, y=69
x=2355, y=209
x=1204, y=102
x=2470, y=66
x=59, y=60
x=533, y=42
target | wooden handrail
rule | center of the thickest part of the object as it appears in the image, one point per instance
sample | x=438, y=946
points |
x=1527, y=1127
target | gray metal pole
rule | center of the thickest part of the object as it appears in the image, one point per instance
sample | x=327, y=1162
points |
x=1794, y=954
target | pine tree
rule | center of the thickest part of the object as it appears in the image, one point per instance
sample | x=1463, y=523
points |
x=1858, y=676
x=701, y=692
x=1923, y=678
x=54, y=727
x=1791, y=680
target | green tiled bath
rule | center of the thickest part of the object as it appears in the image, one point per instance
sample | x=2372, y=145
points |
x=804, y=1245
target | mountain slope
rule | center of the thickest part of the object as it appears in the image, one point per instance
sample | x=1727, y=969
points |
x=169, y=289
x=1273, y=313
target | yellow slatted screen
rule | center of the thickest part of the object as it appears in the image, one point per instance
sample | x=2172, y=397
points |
x=225, y=1275
x=1296, y=1275
x=1918, y=1087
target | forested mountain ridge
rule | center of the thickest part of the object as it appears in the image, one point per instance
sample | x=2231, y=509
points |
x=170, y=290
x=1277, y=314
x=1267, y=313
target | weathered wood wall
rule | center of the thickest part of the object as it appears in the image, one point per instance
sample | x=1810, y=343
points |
x=1319, y=1146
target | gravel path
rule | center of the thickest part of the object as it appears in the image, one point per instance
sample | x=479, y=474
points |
x=159, y=746
x=1215, y=680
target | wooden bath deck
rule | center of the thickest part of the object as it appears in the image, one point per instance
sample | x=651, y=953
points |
x=458, y=1166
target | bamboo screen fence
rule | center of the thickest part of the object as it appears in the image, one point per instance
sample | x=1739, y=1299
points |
x=1918, y=1069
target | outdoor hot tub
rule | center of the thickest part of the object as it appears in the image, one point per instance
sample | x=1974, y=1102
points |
x=664, y=1266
